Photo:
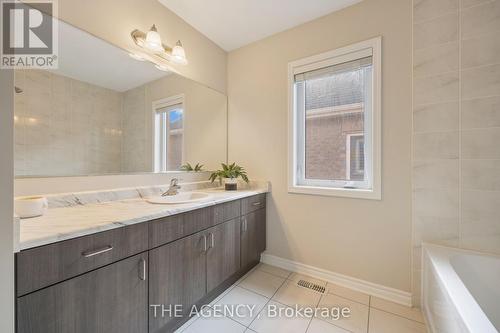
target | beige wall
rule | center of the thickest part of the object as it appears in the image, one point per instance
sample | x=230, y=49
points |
x=6, y=201
x=456, y=116
x=366, y=239
x=113, y=21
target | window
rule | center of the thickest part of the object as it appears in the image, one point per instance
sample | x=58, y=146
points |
x=355, y=157
x=334, y=122
x=169, y=133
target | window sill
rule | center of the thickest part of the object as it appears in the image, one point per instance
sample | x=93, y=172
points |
x=337, y=192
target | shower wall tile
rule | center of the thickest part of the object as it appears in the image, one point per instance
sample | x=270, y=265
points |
x=64, y=126
x=425, y=9
x=436, y=59
x=436, y=203
x=481, y=143
x=436, y=89
x=481, y=175
x=436, y=230
x=456, y=127
x=481, y=229
x=431, y=174
x=469, y=3
x=481, y=50
x=480, y=20
x=481, y=113
x=134, y=131
x=481, y=82
x=438, y=145
x=437, y=31
x=436, y=117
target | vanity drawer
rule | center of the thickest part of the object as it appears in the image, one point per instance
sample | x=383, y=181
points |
x=46, y=265
x=227, y=211
x=253, y=203
x=168, y=229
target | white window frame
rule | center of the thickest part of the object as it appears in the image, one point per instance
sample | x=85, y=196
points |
x=371, y=47
x=348, y=153
x=159, y=158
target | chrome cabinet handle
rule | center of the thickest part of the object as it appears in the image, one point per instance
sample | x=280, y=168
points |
x=212, y=240
x=205, y=248
x=244, y=225
x=256, y=203
x=142, y=269
x=88, y=254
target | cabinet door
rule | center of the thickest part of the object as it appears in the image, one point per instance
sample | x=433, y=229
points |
x=253, y=237
x=177, y=276
x=223, y=255
x=112, y=299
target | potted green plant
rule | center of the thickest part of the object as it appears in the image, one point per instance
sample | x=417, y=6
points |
x=230, y=174
x=188, y=167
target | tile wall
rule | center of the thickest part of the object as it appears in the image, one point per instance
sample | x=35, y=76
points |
x=136, y=136
x=65, y=126
x=456, y=126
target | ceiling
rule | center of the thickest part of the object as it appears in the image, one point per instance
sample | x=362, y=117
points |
x=235, y=23
x=90, y=59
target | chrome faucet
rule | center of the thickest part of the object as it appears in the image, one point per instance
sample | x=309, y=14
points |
x=173, y=189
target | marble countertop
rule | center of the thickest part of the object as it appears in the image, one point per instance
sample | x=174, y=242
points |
x=64, y=223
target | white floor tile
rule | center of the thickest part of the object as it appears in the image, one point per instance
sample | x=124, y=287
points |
x=384, y=322
x=186, y=324
x=266, y=322
x=224, y=293
x=274, y=270
x=348, y=293
x=291, y=294
x=321, y=326
x=357, y=321
x=398, y=309
x=296, y=277
x=215, y=325
x=241, y=296
x=262, y=283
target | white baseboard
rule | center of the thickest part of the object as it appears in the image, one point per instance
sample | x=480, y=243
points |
x=370, y=288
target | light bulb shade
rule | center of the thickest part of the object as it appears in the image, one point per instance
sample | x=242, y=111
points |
x=153, y=40
x=137, y=56
x=178, y=54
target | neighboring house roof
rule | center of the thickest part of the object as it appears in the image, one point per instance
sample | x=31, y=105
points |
x=331, y=91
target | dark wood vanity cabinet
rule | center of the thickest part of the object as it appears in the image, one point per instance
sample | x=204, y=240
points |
x=184, y=260
x=177, y=275
x=253, y=230
x=223, y=254
x=253, y=237
x=185, y=271
x=110, y=299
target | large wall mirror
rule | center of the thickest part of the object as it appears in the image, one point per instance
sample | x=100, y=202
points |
x=102, y=112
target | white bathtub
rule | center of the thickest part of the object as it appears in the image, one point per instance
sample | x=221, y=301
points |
x=460, y=290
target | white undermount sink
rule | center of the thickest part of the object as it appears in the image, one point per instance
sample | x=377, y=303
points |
x=181, y=198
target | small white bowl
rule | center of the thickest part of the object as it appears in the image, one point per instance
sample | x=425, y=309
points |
x=27, y=207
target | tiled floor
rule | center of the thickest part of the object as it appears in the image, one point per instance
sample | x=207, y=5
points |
x=267, y=290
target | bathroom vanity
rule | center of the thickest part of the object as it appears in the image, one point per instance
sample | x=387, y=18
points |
x=112, y=281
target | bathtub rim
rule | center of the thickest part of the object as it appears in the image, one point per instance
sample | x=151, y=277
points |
x=471, y=314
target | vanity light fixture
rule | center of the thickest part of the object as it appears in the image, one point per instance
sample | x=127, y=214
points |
x=137, y=57
x=157, y=52
x=162, y=68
